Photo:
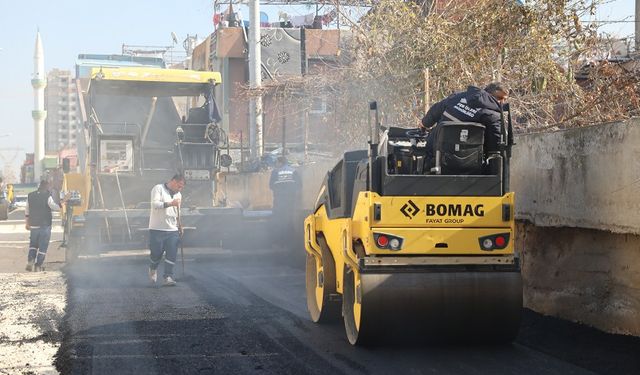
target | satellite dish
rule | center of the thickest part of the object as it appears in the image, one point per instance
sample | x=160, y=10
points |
x=225, y=160
x=174, y=37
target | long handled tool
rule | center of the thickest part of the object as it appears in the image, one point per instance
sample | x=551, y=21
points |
x=181, y=234
x=124, y=207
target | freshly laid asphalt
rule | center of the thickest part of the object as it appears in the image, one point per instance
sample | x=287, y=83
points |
x=244, y=312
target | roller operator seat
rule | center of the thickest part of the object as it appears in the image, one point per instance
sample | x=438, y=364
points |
x=458, y=148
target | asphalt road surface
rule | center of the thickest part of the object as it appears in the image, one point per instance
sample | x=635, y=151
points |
x=244, y=312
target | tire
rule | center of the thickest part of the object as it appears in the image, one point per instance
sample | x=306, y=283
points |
x=4, y=211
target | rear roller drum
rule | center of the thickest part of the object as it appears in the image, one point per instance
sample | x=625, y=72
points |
x=431, y=306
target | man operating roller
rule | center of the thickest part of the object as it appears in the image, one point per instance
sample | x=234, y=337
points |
x=164, y=231
x=477, y=105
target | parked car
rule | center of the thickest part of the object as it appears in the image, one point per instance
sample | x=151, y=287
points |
x=20, y=201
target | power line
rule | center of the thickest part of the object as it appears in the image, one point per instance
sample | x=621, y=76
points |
x=615, y=21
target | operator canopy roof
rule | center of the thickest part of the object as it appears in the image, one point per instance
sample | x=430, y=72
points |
x=144, y=81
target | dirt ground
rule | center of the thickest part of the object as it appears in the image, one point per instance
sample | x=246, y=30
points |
x=31, y=304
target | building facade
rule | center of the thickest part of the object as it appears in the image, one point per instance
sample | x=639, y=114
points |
x=287, y=54
x=63, y=111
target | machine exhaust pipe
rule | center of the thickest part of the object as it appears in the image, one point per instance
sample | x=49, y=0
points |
x=374, y=140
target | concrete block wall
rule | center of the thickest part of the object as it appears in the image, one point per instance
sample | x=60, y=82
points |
x=578, y=203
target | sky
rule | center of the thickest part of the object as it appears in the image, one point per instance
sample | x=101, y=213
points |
x=71, y=27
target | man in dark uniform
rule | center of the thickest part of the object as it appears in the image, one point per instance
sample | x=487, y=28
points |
x=285, y=184
x=483, y=106
x=38, y=219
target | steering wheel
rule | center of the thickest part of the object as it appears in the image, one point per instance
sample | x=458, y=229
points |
x=416, y=133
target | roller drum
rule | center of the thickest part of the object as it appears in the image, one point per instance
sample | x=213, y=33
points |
x=434, y=306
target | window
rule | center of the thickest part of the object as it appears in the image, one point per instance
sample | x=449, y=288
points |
x=335, y=186
x=318, y=106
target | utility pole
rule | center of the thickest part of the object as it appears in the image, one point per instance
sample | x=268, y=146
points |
x=255, y=81
x=427, y=93
x=637, y=23
x=189, y=44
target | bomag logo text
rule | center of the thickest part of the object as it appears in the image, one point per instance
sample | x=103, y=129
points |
x=454, y=210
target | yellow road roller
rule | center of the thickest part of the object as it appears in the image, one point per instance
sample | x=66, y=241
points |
x=402, y=240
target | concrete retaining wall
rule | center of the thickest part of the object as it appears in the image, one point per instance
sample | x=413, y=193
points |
x=587, y=177
x=578, y=201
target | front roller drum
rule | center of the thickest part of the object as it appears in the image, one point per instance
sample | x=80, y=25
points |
x=322, y=301
x=474, y=307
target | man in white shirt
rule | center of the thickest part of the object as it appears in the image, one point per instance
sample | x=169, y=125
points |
x=164, y=229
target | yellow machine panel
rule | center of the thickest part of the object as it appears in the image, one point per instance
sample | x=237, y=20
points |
x=151, y=82
x=146, y=74
x=436, y=212
x=82, y=184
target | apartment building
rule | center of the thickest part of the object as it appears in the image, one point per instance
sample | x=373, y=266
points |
x=63, y=113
